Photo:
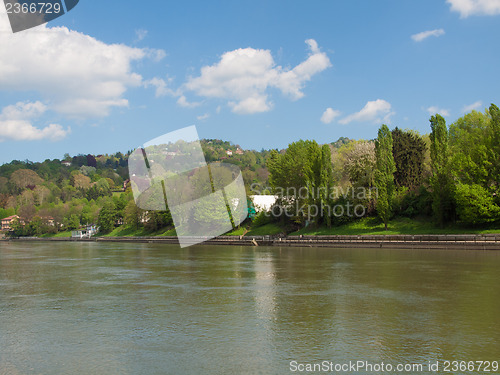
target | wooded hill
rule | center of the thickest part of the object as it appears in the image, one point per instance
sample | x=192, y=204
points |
x=451, y=175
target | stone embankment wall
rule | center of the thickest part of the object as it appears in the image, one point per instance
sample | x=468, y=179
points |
x=448, y=241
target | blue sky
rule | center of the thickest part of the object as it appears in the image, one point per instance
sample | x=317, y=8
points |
x=109, y=76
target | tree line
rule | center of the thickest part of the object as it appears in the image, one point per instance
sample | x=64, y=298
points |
x=451, y=174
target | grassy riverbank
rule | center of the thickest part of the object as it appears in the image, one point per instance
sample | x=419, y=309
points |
x=400, y=225
x=366, y=226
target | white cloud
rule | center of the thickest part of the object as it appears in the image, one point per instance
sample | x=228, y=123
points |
x=75, y=74
x=183, y=102
x=16, y=123
x=329, y=115
x=251, y=105
x=154, y=54
x=375, y=112
x=203, y=117
x=471, y=107
x=434, y=109
x=243, y=77
x=468, y=8
x=140, y=34
x=161, y=86
x=426, y=34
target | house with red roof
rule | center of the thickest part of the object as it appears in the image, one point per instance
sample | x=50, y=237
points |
x=6, y=223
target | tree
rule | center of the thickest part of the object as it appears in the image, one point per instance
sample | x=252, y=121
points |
x=72, y=222
x=41, y=193
x=133, y=215
x=23, y=178
x=301, y=177
x=91, y=162
x=6, y=212
x=495, y=146
x=80, y=181
x=3, y=185
x=106, y=218
x=359, y=162
x=441, y=183
x=409, y=155
x=27, y=212
x=384, y=178
x=157, y=220
x=470, y=144
x=475, y=204
x=17, y=228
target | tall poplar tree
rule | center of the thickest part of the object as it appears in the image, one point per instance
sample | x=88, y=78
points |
x=384, y=174
x=409, y=154
x=441, y=183
x=495, y=145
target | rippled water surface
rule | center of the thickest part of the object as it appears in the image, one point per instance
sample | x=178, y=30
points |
x=95, y=308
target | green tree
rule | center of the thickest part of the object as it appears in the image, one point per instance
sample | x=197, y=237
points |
x=35, y=227
x=107, y=217
x=23, y=178
x=495, y=146
x=384, y=177
x=17, y=228
x=470, y=143
x=157, y=220
x=301, y=177
x=475, y=204
x=133, y=215
x=409, y=154
x=441, y=182
x=72, y=222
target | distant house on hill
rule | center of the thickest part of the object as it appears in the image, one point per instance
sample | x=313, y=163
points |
x=6, y=223
x=239, y=151
x=49, y=220
x=229, y=153
x=66, y=163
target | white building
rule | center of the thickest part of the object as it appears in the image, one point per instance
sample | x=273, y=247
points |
x=263, y=202
x=88, y=232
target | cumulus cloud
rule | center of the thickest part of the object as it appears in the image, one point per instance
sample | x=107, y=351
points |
x=434, y=109
x=183, y=102
x=376, y=111
x=471, y=107
x=329, y=115
x=16, y=123
x=161, y=87
x=243, y=77
x=426, y=34
x=75, y=74
x=468, y=8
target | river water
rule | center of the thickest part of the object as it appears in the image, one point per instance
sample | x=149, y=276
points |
x=112, y=308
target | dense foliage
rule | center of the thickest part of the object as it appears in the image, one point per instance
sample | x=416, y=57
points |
x=451, y=175
x=63, y=195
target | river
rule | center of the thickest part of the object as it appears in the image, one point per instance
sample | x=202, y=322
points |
x=115, y=308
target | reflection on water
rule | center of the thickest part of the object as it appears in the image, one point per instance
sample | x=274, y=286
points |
x=92, y=308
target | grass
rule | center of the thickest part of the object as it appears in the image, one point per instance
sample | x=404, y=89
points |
x=58, y=235
x=240, y=230
x=368, y=226
x=124, y=231
x=399, y=225
x=264, y=230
